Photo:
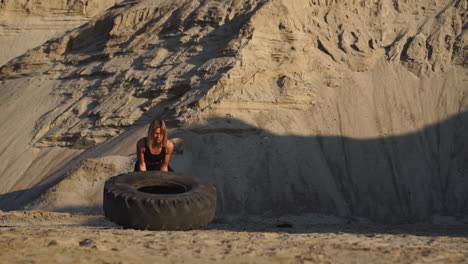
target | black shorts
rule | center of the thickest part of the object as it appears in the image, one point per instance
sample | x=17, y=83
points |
x=156, y=167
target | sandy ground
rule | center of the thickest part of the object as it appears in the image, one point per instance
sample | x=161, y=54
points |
x=46, y=237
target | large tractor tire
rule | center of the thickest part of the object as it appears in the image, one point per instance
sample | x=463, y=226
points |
x=159, y=201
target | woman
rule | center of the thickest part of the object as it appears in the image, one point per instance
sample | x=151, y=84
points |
x=155, y=150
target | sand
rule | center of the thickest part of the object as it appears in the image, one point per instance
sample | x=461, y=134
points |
x=45, y=237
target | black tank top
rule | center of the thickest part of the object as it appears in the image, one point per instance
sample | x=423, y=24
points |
x=154, y=159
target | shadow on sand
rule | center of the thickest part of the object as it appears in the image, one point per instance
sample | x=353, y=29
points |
x=395, y=180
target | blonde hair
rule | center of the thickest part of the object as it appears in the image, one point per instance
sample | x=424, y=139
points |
x=155, y=125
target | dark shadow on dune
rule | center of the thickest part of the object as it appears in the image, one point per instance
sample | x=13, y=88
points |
x=393, y=180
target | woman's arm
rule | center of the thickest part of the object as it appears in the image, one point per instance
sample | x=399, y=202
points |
x=167, y=158
x=141, y=154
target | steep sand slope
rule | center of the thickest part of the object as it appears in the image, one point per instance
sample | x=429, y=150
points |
x=341, y=107
x=26, y=24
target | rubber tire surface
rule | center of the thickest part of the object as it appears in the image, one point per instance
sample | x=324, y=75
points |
x=192, y=208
